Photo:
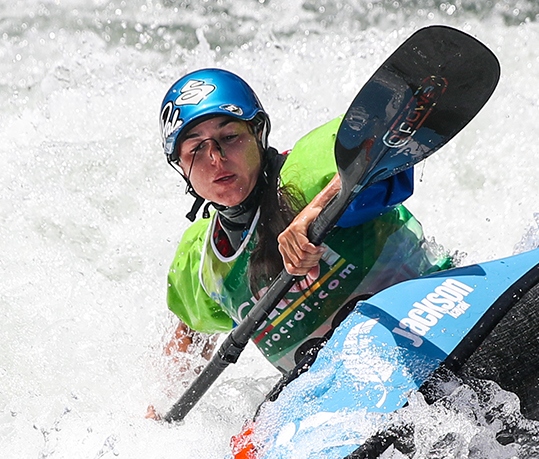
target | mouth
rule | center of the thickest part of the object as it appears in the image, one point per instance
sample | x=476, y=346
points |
x=224, y=178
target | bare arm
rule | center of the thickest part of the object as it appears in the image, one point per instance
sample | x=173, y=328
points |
x=299, y=255
x=179, y=345
x=183, y=337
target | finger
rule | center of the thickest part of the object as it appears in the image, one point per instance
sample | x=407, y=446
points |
x=152, y=414
x=296, y=248
x=297, y=262
x=302, y=266
x=313, y=274
x=310, y=278
x=289, y=249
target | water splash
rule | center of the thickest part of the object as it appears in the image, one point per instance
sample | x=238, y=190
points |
x=90, y=215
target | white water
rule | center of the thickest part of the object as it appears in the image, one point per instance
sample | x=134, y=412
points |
x=91, y=214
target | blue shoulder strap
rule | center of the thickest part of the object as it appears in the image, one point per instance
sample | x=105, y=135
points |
x=378, y=198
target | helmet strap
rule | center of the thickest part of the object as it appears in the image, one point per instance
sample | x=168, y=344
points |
x=192, y=214
x=199, y=200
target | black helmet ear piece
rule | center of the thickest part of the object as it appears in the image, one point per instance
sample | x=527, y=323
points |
x=199, y=202
x=192, y=214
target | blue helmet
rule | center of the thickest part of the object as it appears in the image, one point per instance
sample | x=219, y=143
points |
x=204, y=94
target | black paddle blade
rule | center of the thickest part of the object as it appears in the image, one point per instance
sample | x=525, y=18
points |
x=422, y=96
x=425, y=92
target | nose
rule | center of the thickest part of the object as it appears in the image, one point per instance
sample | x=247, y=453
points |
x=211, y=144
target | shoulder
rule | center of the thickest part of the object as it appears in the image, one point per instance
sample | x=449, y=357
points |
x=310, y=165
x=196, y=232
x=197, y=229
x=192, y=241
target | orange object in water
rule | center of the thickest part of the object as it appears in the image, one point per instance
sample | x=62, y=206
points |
x=242, y=445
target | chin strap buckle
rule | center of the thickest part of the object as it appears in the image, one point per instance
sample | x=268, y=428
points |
x=192, y=215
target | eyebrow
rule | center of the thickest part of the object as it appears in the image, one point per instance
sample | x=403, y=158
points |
x=192, y=135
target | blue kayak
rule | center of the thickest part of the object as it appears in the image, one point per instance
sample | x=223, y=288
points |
x=390, y=346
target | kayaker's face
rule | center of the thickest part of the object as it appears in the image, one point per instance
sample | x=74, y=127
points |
x=221, y=159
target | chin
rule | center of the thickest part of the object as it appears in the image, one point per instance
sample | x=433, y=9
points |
x=230, y=201
x=226, y=202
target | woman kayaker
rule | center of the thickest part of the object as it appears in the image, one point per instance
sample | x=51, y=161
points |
x=215, y=134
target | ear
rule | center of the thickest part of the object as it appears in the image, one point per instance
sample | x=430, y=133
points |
x=259, y=133
x=180, y=165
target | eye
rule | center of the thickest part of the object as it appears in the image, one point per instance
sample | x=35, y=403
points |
x=190, y=149
x=199, y=147
x=185, y=155
x=229, y=137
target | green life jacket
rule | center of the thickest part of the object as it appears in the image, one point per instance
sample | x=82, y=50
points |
x=210, y=292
